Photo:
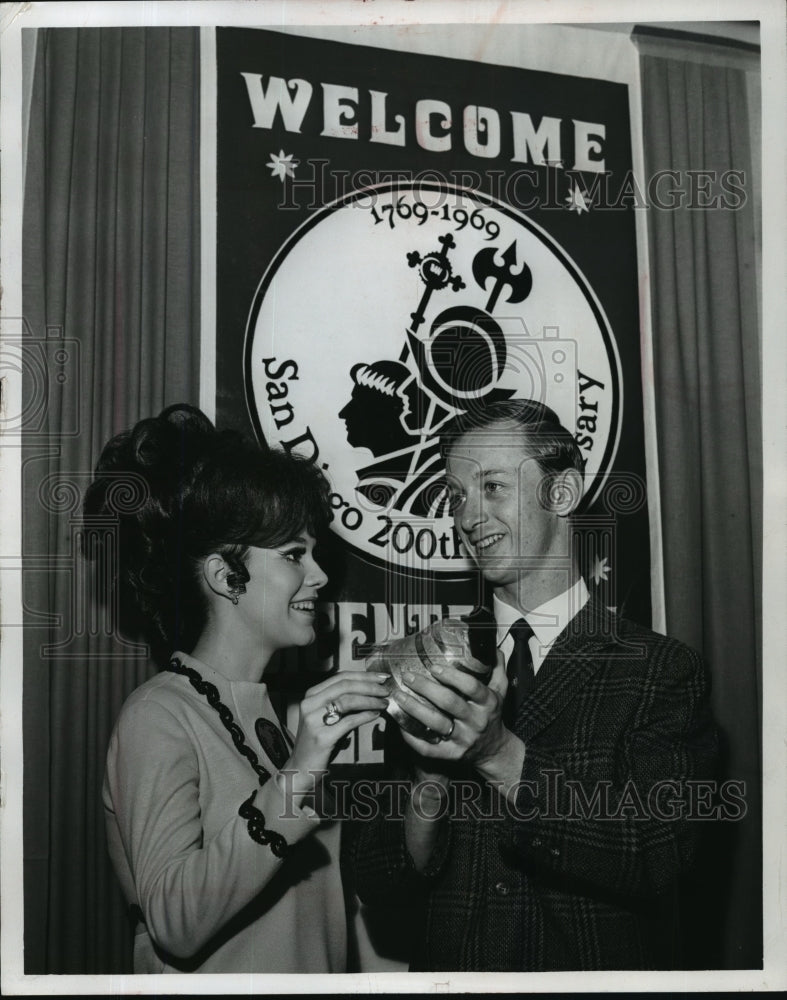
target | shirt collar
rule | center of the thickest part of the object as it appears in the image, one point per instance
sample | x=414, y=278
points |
x=547, y=620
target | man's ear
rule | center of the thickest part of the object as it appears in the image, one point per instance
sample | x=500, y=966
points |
x=214, y=573
x=563, y=492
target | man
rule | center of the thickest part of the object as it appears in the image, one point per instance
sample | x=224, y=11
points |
x=548, y=828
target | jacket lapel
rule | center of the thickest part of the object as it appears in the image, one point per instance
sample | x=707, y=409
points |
x=571, y=662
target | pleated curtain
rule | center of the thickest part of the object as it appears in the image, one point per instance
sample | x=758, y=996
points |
x=706, y=345
x=111, y=265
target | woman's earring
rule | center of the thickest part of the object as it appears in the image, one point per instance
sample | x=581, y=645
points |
x=236, y=586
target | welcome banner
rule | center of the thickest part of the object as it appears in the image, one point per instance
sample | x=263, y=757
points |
x=399, y=238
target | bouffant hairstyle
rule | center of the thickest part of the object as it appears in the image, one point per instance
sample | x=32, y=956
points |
x=196, y=490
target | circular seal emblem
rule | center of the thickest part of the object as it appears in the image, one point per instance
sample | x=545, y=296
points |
x=392, y=310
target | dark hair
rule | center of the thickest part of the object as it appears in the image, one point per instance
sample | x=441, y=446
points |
x=545, y=438
x=196, y=491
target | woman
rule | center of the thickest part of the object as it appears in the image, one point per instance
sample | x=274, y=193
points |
x=223, y=860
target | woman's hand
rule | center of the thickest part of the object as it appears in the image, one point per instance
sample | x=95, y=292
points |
x=358, y=696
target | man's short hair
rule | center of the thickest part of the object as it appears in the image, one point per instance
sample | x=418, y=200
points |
x=544, y=437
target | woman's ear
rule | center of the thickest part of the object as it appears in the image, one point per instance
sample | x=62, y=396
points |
x=214, y=573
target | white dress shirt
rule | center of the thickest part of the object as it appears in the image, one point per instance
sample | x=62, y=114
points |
x=547, y=621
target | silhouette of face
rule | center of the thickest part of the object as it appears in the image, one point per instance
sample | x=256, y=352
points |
x=372, y=420
x=354, y=416
x=415, y=406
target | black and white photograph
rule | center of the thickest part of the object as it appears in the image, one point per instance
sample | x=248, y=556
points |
x=393, y=463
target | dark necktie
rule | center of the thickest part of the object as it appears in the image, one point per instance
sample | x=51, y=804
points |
x=521, y=675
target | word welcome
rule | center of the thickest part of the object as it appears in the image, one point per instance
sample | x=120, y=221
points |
x=433, y=124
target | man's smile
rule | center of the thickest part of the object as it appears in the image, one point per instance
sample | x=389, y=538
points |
x=488, y=540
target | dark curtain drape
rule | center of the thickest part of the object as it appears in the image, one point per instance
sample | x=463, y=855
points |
x=707, y=388
x=111, y=297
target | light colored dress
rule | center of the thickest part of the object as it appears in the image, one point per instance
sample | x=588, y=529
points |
x=212, y=898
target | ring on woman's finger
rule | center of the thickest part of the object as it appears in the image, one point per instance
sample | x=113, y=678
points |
x=450, y=733
x=332, y=714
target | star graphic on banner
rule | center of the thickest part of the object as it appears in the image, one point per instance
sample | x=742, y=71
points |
x=601, y=570
x=575, y=200
x=282, y=166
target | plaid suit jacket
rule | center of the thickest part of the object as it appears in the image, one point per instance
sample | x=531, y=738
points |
x=578, y=868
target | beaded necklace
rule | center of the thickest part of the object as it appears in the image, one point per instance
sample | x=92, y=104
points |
x=247, y=811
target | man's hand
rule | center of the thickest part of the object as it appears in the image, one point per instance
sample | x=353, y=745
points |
x=478, y=734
